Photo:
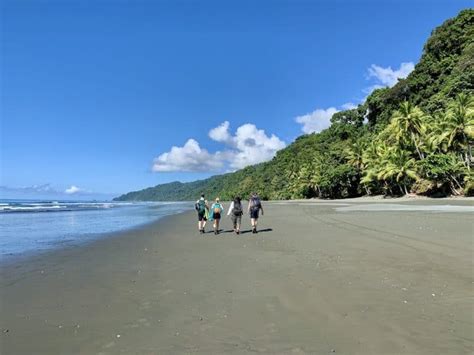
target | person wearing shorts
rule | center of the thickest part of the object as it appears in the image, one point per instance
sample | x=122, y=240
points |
x=216, y=210
x=202, y=208
x=255, y=205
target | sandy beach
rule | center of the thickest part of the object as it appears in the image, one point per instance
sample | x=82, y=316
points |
x=321, y=277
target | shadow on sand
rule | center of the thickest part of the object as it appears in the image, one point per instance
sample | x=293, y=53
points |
x=226, y=231
x=258, y=231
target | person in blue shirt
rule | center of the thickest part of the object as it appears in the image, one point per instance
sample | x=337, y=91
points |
x=216, y=211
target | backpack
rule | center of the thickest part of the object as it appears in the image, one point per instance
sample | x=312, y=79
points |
x=201, y=206
x=255, y=203
x=237, y=208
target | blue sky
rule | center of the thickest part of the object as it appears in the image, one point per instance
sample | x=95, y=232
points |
x=94, y=94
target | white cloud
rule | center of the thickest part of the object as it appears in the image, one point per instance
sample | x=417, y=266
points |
x=221, y=133
x=248, y=146
x=190, y=157
x=72, y=190
x=40, y=188
x=389, y=77
x=317, y=120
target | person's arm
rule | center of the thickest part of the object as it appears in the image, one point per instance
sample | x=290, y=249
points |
x=248, y=208
x=231, y=207
x=261, y=207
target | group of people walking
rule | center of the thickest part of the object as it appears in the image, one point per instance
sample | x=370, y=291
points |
x=235, y=211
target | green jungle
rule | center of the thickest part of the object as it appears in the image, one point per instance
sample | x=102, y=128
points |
x=415, y=137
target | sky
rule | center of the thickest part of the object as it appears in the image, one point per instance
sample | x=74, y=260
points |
x=102, y=97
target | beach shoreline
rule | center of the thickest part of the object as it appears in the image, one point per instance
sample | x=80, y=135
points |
x=313, y=280
x=17, y=258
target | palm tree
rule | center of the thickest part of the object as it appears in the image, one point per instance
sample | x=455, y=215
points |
x=373, y=160
x=460, y=126
x=355, y=154
x=437, y=133
x=399, y=165
x=408, y=125
x=355, y=157
x=318, y=166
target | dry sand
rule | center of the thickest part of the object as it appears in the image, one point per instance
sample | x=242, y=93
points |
x=315, y=280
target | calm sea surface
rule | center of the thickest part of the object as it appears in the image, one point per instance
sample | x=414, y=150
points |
x=29, y=227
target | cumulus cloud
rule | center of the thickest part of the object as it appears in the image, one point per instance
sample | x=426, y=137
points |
x=190, y=158
x=221, y=133
x=387, y=76
x=249, y=145
x=317, y=120
x=72, y=190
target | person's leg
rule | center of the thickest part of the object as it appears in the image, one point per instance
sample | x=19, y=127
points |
x=255, y=224
x=199, y=223
x=238, y=221
x=216, y=223
x=253, y=219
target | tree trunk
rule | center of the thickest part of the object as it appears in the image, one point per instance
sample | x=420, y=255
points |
x=390, y=189
x=453, y=189
x=456, y=181
x=468, y=157
x=416, y=147
x=367, y=191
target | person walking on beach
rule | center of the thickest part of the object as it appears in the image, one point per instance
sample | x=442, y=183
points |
x=216, y=210
x=235, y=212
x=202, y=209
x=255, y=205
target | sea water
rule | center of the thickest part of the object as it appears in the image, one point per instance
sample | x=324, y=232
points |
x=28, y=227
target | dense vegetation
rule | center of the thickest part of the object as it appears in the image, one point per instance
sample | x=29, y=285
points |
x=414, y=137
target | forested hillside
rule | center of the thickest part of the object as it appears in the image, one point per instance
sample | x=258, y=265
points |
x=414, y=137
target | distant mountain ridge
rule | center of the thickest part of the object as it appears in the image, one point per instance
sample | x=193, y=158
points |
x=342, y=161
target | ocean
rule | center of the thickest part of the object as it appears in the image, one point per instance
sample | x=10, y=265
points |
x=33, y=226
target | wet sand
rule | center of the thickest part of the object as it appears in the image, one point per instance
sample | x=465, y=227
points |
x=321, y=277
